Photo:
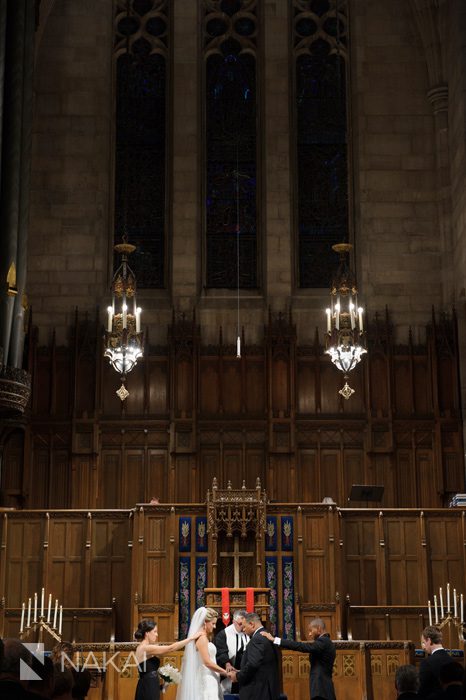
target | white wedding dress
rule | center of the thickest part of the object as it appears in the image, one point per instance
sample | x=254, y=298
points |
x=210, y=680
x=197, y=681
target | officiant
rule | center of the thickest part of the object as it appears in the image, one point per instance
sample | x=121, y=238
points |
x=231, y=643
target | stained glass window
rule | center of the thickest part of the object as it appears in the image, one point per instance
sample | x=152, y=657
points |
x=230, y=144
x=140, y=135
x=320, y=49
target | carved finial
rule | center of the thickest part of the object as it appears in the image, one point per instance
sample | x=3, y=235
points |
x=258, y=483
x=229, y=486
x=214, y=484
x=244, y=485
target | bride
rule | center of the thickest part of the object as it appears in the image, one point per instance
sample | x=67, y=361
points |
x=199, y=671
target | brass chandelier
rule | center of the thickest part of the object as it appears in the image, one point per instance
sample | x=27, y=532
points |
x=123, y=337
x=345, y=336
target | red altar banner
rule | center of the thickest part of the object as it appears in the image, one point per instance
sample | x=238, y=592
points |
x=225, y=606
x=249, y=600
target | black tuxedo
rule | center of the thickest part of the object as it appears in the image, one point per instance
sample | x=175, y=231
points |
x=258, y=677
x=429, y=673
x=322, y=654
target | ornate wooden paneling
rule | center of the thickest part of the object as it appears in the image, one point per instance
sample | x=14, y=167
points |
x=157, y=582
x=110, y=479
x=23, y=565
x=361, y=559
x=445, y=550
x=403, y=552
x=110, y=565
x=315, y=536
x=188, y=402
x=66, y=565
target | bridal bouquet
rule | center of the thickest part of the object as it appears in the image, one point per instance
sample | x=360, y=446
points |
x=169, y=674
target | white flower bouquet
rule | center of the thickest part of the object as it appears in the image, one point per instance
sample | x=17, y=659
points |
x=169, y=674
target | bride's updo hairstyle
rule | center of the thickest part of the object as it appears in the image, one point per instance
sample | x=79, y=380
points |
x=210, y=614
x=144, y=627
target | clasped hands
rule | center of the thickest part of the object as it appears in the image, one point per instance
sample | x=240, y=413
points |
x=231, y=672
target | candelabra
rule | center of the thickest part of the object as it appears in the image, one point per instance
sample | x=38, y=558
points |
x=446, y=615
x=33, y=618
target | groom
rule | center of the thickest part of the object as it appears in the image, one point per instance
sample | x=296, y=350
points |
x=258, y=677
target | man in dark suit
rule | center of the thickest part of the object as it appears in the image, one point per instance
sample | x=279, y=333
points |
x=451, y=678
x=406, y=682
x=429, y=670
x=322, y=654
x=258, y=677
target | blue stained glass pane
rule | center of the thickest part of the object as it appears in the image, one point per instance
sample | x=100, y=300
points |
x=245, y=26
x=231, y=186
x=140, y=163
x=216, y=26
x=306, y=26
x=230, y=7
x=320, y=7
x=128, y=26
x=156, y=26
x=322, y=162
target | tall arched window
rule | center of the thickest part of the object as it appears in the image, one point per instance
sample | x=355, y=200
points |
x=141, y=52
x=231, y=144
x=320, y=105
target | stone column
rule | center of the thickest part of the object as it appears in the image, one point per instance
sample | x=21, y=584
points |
x=17, y=339
x=276, y=235
x=16, y=114
x=429, y=16
x=185, y=213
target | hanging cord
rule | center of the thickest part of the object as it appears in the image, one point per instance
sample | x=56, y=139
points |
x=238, y=335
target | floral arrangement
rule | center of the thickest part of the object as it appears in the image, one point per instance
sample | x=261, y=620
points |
x=169, y=674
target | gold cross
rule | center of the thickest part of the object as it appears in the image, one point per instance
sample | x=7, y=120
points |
x=237, y=555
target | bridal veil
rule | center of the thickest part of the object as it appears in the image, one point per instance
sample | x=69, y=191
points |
x=189, y=688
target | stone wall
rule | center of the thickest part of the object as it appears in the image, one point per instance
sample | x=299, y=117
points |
x=69, y=222
x=398, y=247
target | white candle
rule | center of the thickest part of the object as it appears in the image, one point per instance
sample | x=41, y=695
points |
x=441, y=604
x=55, y=615
x=360, y=319
x=125, y=309
x=29, y=613
x=61, y=619
x=49, y=611
x=42, y=601
x=109, y=318
x=329, y=321
x=461, y=608
x=138, y=320
x=22, y=617
x=337, y=316
x=238, y=346
x=435, y=609
x=351, y=308
x=455, y=603
x=35, y=607
x=448, y=598
x=430, y=613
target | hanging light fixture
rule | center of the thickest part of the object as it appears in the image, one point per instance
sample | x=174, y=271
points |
x=345, y=336
x=123, y=337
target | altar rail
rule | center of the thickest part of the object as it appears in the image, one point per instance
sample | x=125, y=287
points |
x=363, y=670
